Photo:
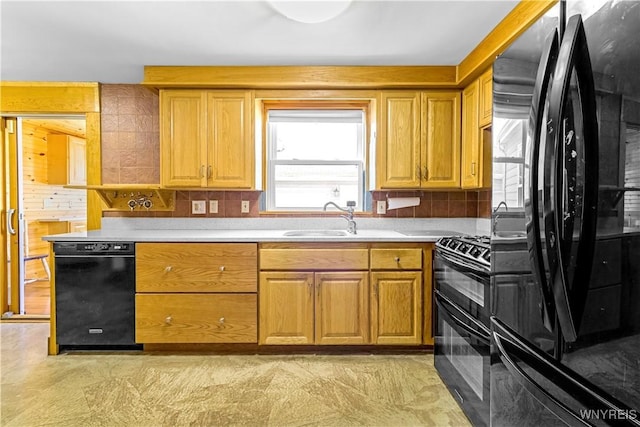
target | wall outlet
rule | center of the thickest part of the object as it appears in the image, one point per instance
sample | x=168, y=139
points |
x=381, y=207
x=213, y=206
x=198, y=207
x=244, y=207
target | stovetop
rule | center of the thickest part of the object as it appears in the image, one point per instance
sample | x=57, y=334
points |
x=474, y=250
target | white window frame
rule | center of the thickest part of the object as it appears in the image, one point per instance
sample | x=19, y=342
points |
x=272, y=162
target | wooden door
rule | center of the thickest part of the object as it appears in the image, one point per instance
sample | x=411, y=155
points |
x=342, y=308
x=398, y=156
x=440, y=140
x=286, y=308
x=77, y=161
x=230, y=143
x=396, y=307
x=470, y=138
x=183, y=144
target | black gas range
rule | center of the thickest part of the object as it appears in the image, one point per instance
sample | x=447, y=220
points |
x=462, y=266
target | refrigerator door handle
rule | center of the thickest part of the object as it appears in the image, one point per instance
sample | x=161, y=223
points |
x=570, y=293
x=481, y=332
x=511, y=349
x=532, y=209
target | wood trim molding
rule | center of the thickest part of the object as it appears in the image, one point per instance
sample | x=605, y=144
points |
x=300, y=77
x=49, y=97
x=515, y=23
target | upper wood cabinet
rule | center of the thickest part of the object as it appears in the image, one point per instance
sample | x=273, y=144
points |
x=477, y=105
x=419, y=140
x=66, y=160
x=470, y=166
x=486, y=98
x=206, y=139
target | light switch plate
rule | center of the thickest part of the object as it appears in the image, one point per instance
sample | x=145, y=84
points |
x=198, y=207
x=213, y=206
x=381, y=207
x=244, y=208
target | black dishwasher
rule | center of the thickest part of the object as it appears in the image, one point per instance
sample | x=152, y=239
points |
x=95, y=295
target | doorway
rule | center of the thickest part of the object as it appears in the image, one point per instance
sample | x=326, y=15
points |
x=46, y=154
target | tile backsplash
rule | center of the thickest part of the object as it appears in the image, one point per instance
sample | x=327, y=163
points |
x=131, y=155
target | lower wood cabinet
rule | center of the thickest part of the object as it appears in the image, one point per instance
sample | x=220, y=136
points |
x=196, y=318
x=396, y=307
x=196, y=293
x=314, y=308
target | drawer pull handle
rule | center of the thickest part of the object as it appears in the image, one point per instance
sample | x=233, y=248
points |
x=222, y=268
x=168, y=320
x=168, y=268
x=397, y=259
x=605, y=262
x=222, y=320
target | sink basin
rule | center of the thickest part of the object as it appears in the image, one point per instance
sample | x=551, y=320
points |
x=429, y=233
x=315, y=233
x=509, y=234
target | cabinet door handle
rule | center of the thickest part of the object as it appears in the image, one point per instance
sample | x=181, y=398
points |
x=426, y=173
x=221, y=320
x=209, y=171
x=168, y=320
x=168, y=269
x=221, y=268
x=473, y=168
x=201, y=171
x=418, y=173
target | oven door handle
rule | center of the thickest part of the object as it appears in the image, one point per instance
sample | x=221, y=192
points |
x=482, y=333
x=462, y=267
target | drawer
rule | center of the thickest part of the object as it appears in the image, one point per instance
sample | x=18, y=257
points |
x=196, y=318
x=606, y=263
x=314, y=259
x=196, y=267
x=396, y=259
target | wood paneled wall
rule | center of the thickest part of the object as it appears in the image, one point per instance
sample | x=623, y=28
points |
x=41, y=200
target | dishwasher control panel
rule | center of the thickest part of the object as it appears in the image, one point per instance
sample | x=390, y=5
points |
x=94, y=248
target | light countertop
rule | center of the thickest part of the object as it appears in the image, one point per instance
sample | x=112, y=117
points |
x=265, y=230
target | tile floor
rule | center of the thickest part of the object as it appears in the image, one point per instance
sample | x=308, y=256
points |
x=214, y=390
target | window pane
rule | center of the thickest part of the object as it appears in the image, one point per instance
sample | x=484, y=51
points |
x=317, y=141
x=309, y=187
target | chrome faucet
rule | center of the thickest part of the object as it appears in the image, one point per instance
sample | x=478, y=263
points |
x=351, y=226
x=496, y=216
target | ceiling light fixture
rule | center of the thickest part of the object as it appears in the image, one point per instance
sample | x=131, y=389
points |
x=310, y=11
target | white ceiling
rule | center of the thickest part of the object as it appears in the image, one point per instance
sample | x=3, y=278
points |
x=111, y=41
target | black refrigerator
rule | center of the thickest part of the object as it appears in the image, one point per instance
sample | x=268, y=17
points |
x=565, y=229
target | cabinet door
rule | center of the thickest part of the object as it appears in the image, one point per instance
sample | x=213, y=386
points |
x=196, y=318
x=66, y=160
x=342, y=308
x=471, y=155
x=286, y=308
x=486, y=98
x=183, y=145
x=440, y=140
x=396, y=307
x=398, y=154
x=230, y=142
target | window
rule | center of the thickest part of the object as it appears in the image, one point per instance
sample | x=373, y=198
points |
x=508, y=161
x=315, y=156
x=632, y=177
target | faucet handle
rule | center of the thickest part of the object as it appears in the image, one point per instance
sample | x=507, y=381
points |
x=351, y=204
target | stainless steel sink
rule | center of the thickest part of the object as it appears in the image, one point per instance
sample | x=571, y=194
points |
x=509, y=234
x=428, y=233
x=315, y=233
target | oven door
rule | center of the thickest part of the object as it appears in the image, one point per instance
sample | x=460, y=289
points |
x=467, y=286
x=461, y=357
